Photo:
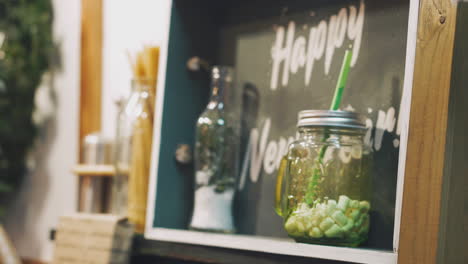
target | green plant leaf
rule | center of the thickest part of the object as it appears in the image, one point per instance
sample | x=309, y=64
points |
x=27, y=52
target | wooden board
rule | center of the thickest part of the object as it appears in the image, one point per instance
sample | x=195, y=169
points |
x=31, y=261
x=91, y=67
x=94, y=170
x=427, y=131
x=91, y=76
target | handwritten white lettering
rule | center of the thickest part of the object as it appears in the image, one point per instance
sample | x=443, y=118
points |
x=355, y=28
x=324, y=38
x=385, y=122
x=269, y=163
x=317, y=41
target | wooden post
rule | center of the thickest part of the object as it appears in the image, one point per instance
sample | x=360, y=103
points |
x=91, y=75
x=427, y=133
x=91, y=67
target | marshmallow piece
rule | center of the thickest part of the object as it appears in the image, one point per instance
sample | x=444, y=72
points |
x=291, y=226
x=362, y=221
x=316, y=233
x=334, y=232
x=331, y=207
x=318, y=215
x=355, y=214
x=315, y=222
x=348, y=226
x=320, y=208
x=300, y=227
x=340, y=218
x=321, y=211
x=365, y=206
x=354, y=204
x=343, y=202
x=326, y=224
x=358, y=223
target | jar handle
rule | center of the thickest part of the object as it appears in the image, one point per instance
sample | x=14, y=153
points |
x=279, y=185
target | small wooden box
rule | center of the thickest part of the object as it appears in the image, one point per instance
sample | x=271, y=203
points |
x=93, y=238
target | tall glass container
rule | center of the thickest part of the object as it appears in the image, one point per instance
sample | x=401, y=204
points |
x=133, y=152
x=216, y=156
x=324, y=183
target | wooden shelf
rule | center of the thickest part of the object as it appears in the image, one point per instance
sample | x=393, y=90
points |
x=266, y=245
x=94, y=170
x=151, y=251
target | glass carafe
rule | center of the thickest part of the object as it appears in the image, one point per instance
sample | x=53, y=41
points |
x=216, y=150
x=133, y=154
x=324, y=184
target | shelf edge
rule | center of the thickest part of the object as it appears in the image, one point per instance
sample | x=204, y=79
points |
x=94, y=170
x=273, y=246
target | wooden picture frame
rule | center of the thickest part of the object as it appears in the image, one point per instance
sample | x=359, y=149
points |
x=425, y=158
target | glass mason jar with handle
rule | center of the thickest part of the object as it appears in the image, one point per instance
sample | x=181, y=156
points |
x=323, y=187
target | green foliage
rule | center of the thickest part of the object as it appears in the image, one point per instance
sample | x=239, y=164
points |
x=24, y=56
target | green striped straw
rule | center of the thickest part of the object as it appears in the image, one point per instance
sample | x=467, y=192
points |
x=335, y=105
x=311, y=194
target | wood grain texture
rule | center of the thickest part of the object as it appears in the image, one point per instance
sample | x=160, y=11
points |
x=91, y=67
x=427, y=133
x=31, y=261
x=94, y=170
x=91, y=76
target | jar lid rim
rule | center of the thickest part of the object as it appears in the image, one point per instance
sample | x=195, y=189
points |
x=331, y=118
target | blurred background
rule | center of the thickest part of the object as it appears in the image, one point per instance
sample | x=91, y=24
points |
x=49, y=188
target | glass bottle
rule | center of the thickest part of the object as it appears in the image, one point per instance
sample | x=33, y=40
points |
x=133, y=152
x=216, y=149
x=324, y=184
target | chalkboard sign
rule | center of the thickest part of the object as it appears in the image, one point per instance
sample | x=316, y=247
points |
x=287, y=56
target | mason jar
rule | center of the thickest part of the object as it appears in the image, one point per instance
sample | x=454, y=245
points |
x=324, y=183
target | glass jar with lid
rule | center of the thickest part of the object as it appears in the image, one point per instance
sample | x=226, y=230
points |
x=324, y=183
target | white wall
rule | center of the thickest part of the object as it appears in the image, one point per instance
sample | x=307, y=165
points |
x=128, y=25
x=50, y=189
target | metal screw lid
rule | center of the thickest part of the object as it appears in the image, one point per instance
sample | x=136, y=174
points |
x=329, y=118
